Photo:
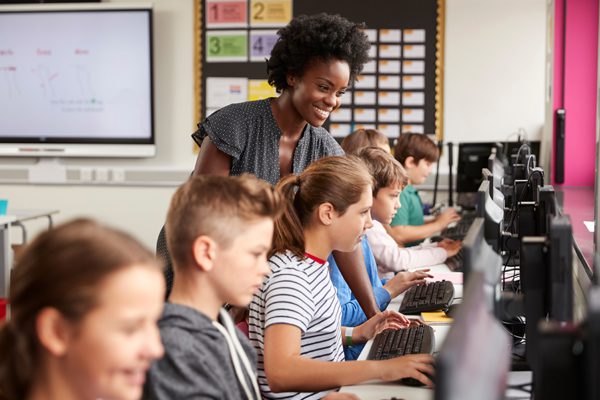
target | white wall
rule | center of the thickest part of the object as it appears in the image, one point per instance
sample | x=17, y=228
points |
x=494, y=80
x=494, y=77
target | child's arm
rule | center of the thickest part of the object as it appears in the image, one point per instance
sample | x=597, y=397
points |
x=287, y=370
x=393, y=258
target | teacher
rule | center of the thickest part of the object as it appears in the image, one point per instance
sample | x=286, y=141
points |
x=314, y=61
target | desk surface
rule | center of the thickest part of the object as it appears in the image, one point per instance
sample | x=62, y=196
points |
x=578, y=203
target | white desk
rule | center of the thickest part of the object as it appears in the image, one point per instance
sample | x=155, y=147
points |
x=384, y=390
x=5, y=253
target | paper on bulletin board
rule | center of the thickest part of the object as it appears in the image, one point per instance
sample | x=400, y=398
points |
x=270, y=13
x=413, y=82
x=261, y=44
x=371, y=34
x=370, y=67
x=339, y=130
x=259, y=89
x=226, y=46
x=364, y=98
x=341, y=115
x=413, y=129
x=389, y=67
x=389, y=82
x=389, y=98
x=414, y=51
x=414, y=35
x=413, y=115
x=413, y=67
x=413, y=99
x=224, y=91
x=365, y=82
x=364, y=126
x=389, y=51
x=226, y=14
x=364, y=115
x=390, y=130
x=389, y=115
x=389, y=35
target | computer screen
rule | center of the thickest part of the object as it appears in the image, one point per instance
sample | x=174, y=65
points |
x=492, y=213
x=546, y=280
x=478, y=255
x=76, y=81
x=474, y=360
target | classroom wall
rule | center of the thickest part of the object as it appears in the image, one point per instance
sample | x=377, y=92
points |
x=494, y=78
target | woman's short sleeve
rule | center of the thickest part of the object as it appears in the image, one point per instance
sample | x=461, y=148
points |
x=226, y=129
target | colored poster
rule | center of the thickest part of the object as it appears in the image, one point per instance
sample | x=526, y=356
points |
x=226, y=13
x=224, y=91
x=226, y=46
x=267, y=13
x=260, y=89
x=261, y=44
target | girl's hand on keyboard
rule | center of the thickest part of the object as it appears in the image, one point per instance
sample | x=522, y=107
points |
x=378, y=323
x=403, y=281
x=416, y=366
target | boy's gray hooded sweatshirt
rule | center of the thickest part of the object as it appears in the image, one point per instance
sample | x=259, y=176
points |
x=198, y=363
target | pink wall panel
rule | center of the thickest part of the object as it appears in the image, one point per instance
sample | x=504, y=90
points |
x=580, y=82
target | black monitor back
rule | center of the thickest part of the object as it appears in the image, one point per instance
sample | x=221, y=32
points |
x=474, y=360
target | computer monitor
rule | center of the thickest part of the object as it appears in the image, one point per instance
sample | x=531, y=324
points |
x=495, y=193
x=492, y=213
x=474, y=360
x=496, y=167
x=479, y=256
x=546, y=280
x=76, y=80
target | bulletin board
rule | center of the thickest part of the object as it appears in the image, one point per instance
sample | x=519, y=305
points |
x=399, y=90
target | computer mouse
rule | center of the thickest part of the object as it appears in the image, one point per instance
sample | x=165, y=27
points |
x=451, y=310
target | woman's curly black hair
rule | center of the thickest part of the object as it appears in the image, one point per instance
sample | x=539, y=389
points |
x=322, y=36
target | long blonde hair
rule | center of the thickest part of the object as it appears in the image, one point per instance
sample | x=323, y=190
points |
x=339, y=180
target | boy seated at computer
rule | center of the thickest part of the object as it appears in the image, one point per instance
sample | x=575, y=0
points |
x=219, y=231
x=417, y=154
x=389, y=180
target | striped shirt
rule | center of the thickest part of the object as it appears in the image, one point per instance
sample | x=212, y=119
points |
x=298, y=292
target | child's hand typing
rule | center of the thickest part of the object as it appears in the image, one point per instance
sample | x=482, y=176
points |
x=417, y=366
x=388, y=319
x=451, y=246
x=403, y=281
x=446, y=217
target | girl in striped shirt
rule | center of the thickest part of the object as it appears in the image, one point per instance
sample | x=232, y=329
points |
x=295, y=319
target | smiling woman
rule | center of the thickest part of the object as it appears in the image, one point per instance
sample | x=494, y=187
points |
x=314, y=61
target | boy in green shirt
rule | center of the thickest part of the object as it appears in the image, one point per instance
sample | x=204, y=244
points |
x=417, y=154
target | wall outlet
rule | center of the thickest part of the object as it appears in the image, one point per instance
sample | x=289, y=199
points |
x=101, y=174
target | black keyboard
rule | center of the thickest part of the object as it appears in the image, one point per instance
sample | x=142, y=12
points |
x=455, y=263
x=395, y=343
x=459, y=231
x=433, y=296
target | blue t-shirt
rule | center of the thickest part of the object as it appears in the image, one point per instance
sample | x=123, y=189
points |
x=352, y=313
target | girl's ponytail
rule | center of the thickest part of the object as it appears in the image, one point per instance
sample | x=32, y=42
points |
x=288, y=234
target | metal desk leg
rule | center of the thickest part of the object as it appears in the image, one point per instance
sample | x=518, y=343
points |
x=20, y=225
x=5, y=260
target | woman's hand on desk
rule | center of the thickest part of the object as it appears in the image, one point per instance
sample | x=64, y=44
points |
x=403, y=281
x=388, y=319
x=452, y=247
